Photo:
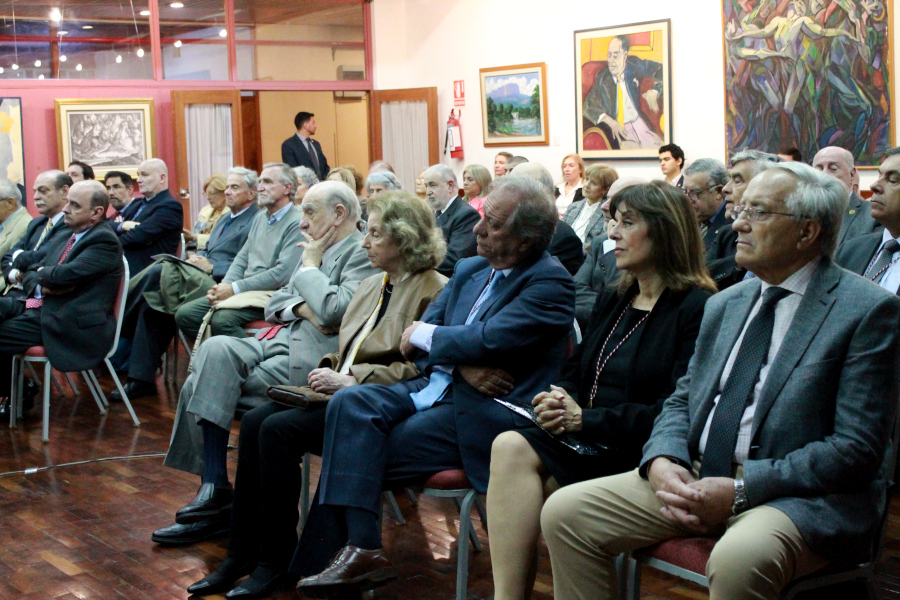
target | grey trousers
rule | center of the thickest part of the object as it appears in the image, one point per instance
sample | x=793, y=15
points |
x=225, y=370
x=228, y=321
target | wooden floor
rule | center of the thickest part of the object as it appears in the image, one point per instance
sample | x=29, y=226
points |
x=72, y=531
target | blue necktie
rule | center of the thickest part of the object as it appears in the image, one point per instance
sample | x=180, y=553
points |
x=272, y=220
x=440, y=380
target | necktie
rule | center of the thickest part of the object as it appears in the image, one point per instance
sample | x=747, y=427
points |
x=312, y=155
x=876, y=271
x=272, y=220
x=44, y=233
x=38, y=302
x=440, y=380
x=620, y=102
x=738, y=390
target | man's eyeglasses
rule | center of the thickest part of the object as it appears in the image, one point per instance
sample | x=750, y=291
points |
x=754, y=214
x=695, y=194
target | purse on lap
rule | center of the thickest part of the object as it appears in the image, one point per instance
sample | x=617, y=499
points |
x=303, y=397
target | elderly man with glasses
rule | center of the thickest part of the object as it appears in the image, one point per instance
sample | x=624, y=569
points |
x=703, y=183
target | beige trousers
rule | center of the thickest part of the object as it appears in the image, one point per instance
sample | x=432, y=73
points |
x=588, y=524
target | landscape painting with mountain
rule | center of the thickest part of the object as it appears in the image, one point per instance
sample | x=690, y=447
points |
x=514, y=105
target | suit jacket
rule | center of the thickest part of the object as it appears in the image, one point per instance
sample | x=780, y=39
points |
x=457, y=224
x=159, y=232
x=294, y=153
x=603, y=96
x=30, y=239
x=596, y=226
x=665, y=344
x=857, y=220
x=598, y=271
x=328, y=291
x=77, y=325
x=712, y=242
x=14, y=228
x=567, y=248
x=823, y=421
x=378, y=359
x=223, y=247
x=521, y=328
x=856, y=254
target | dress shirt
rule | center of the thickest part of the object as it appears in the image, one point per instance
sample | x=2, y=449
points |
x=784, y=314
x=446, y=208
x=891, y=279
x=584, y=217
x=287, y=315
x=564, y=200
x=278, y=215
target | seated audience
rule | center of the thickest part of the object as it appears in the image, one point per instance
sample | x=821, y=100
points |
x=500, y=164
x=14, y=219
x=514, y=162
x=584, y=215
x=152, y=224
x=360, y=183
x=570, y=189
x=381, y=181
x=343, y=175
x=228, y=370
x=403, y=242
x=875, y=255
x=306, y=178
x=839, y=163
x=476, y=180
x=214, y=192
x=565, y=246
x=599, y=269
x=504, y=317
x=703, y=183
x=265, y=261
x=420, y=190
x=120, y=187
x=671, y=163
x=778, y=437
x=157, y=293
x=636, y=348
x=378, y=166
x=80, y=171
x=69, y=290
x=790, y=155
x=455, y=218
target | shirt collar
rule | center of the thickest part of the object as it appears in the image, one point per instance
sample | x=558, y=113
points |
x=799, y=280
x=303, y=138
x=281, y=211
x=452, y=200
x=885, y=236
x=56, y=219
x=236, y=215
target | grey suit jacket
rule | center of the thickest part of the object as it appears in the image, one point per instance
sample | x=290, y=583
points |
x=857, y=220
x=14, y=228
x=598, y=271
x=225, y=243
x=821, y=431
x=328, y=291
x=596, y=224
x=856, y=254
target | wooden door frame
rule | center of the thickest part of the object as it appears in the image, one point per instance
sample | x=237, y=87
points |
x=428, y=95
x=182, y=98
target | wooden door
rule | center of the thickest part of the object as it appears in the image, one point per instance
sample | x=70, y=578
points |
x=187, y=174
x=407, y=166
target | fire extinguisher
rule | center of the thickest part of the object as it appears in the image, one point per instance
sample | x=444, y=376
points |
x=453, y=140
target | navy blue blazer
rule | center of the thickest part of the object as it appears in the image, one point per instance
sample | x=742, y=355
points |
x=457, y=223
x=159, y=232
x=294, y=153
x=224, y=244
x=522, y=328
x=29, y=240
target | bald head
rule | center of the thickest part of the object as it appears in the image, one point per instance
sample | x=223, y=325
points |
x=86, y=206
x=153, y=177
x=836, y=162
x=538, y=172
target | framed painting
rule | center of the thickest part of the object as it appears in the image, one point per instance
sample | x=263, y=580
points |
x=514, y=105
x=623, y=90
x=809, y=74
x=108, y=134
x=12, y=145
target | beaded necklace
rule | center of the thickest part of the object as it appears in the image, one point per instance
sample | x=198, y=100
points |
x=601, y=361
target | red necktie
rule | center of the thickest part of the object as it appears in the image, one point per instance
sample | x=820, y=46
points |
x=38, y=302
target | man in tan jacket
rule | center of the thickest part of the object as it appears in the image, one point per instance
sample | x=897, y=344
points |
x=14, y=219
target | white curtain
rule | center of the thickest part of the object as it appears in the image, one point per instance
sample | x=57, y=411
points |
x=404, y=139
x=209, y=147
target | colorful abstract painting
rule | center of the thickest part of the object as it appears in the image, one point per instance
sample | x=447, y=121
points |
x=809, y=74
x=12, y=150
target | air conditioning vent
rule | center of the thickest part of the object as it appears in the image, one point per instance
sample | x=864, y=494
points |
x=350, y=73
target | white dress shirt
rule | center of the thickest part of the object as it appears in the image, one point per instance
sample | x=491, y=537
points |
x=891, y=279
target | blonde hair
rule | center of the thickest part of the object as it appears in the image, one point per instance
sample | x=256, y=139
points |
x=345, y=175
x=481, y=176
x=216, y=181
x=577, y=159
x=409, y=222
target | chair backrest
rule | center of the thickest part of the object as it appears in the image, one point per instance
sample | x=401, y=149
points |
x=181, y=250
x=119, y=306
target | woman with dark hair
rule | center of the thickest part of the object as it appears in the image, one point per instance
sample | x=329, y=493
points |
x=638, y=344
x=402, y=241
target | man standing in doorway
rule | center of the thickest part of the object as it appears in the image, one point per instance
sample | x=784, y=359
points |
x=301, y=150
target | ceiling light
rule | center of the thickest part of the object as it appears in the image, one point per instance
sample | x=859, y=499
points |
x=40, y=77
x=62, y=58
x=1, y=70
x=37, y=63
x=178, y=43
x=55, y=15
x=78, y=67
x=140, y=52
x=223, y=33
x=15, y=67
x=119, y=58
x=87, y=26
x=145, y=13
x=177, y=5
x=63, y=32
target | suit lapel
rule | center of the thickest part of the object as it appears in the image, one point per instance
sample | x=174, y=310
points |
x=468, y=295
x=331, y=262
x=598, y=214
x=814, y=307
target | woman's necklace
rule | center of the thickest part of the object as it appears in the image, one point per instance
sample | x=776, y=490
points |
x=601, y=361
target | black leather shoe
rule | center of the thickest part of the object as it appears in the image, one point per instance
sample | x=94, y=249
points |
x=222, y=578
x=135, y=389
x=209, y=503
x=4, y=409
x=29, y=393
x=180, y=535
x=251, y=589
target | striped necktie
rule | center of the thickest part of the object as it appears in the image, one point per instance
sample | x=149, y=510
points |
x=44, y=233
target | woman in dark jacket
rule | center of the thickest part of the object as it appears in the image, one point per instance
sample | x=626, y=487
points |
x=638, y=344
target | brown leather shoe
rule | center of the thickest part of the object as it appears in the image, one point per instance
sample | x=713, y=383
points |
x=351, y=568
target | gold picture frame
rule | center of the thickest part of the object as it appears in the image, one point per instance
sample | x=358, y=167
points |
x=110, y=134
x=514, y=105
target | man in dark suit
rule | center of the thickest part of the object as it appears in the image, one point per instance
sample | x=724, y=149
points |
x=499, y=328
x=70, y=290
x=120, y=186
x=875, y=256
x=839, y=163
x=453, y=215
x=301, y=150
x=778, y=437
x=626, y=82
x=671, y=163
x=50, y=190
x=703, y=184
x=150, y=225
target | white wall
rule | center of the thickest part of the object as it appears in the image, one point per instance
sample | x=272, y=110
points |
x=424, y=43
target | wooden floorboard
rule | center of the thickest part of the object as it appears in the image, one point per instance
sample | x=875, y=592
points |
x=83, y=530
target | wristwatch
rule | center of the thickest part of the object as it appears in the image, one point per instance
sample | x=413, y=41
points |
x=741, y=502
